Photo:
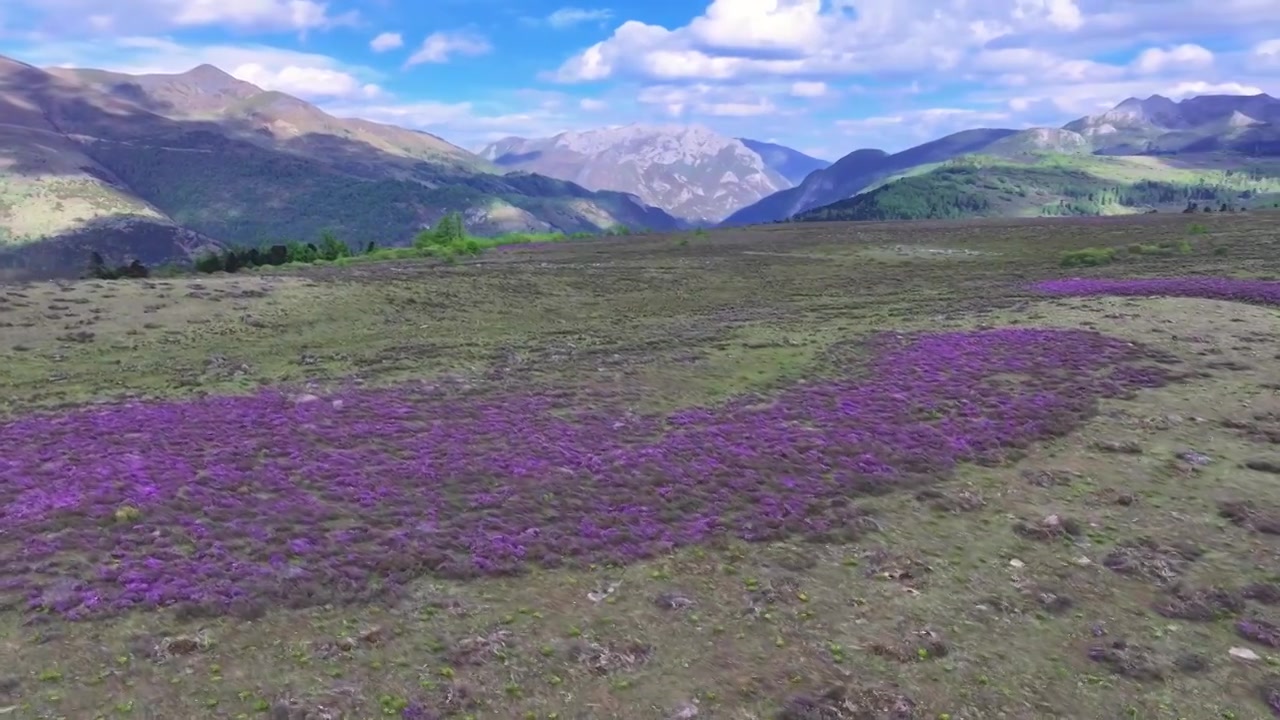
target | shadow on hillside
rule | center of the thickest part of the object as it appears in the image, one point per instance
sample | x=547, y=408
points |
x=118, y=239
x=234, y=181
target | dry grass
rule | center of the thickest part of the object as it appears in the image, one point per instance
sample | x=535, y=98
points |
x=1079, y=582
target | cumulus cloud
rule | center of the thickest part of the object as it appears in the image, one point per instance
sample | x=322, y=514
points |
x=745, y=38
x=567, y=17
x=386, y=41
x=592, y=105
x=1185, y=56
x=310, y=76
x=306, y=82
x=440, y=47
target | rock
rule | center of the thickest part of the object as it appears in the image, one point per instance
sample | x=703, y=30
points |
x=305, y=398
x=1245, y=654
x=685, y=711
x=1194, y=458
x=1016, y=563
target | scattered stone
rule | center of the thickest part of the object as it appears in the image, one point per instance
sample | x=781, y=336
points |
x=1194, y=458
x=685, y=711
x=305, y=398
x=1243, y=653
x=1051, y=527
x=674, y=601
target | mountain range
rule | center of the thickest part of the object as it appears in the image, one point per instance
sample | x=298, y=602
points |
x=689, y=171
x=159, y=167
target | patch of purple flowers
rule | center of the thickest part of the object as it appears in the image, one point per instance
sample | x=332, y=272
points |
x=260, y=498
x=1263, y=292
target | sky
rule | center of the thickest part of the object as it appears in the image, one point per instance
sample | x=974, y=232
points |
x=823, y=76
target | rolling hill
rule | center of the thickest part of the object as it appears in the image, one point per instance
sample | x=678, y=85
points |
x=857, y=170
x=1200, y=137
x=158, y=167
x=1058, y=184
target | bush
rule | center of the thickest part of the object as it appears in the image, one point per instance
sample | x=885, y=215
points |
x=99, y=270
x=1088, y=257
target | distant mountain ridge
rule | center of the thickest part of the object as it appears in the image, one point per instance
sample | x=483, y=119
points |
x=1242, y=126
x=160, y=166
x=791, y=164
x=855, y=171
x=689, y=171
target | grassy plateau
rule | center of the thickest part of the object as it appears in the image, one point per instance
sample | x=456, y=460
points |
x=808, y=471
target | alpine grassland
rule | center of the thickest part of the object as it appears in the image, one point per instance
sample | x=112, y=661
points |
x=973, y=469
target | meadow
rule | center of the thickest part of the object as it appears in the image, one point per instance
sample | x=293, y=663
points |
x=807, y=471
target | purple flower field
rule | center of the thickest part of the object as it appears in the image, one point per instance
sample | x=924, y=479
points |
x=1264, y=292
x=224, y=501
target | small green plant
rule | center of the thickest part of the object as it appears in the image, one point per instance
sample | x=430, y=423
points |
x=1197, y=228
x=1088, y=257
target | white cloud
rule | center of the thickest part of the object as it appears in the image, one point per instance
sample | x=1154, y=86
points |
x=1187, y=56
x=143, y=15
x=569, y=16
x=708, y=99
x=752, y=38
x=307, y=82
x=1199, y=87
x=1062, y=14
x=789, y=25
x=592, y=105
x=386, y=41
x=308, y=75
x=1054, y=102
x=1265, y=55
x=808, y=89
x=439, y=47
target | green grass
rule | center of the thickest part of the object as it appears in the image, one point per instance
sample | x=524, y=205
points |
x=658, y=325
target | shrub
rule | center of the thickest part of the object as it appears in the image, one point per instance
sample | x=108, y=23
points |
x=1088, y=257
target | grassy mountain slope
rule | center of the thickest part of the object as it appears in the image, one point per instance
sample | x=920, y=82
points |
x=859, y=169
x=57, y=202
x=1055, y=184
x=158, y=167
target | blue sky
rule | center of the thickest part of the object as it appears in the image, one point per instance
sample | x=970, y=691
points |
x=823, y=76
